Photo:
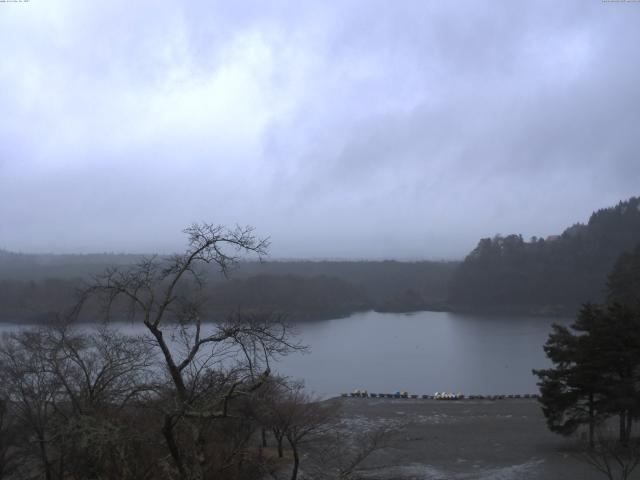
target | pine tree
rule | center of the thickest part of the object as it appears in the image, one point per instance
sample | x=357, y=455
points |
x=596, y=372
x=570, y=391
x=623, y=284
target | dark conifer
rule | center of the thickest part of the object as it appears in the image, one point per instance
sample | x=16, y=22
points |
x=596, y=370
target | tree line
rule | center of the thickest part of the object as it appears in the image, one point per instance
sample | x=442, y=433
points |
x=553, y=275
x=306, y=290
x=301, y=297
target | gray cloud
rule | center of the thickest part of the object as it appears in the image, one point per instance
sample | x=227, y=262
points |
x=343, y=129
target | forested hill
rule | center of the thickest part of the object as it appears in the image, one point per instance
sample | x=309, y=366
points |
x=550, y=275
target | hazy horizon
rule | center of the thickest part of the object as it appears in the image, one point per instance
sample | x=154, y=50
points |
x=243, y=258
x=342, y=130
x=272, y=258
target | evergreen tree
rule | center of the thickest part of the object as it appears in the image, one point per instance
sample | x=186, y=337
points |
x=570, y=391
x=616, y=342
x=596, y=372
x=623, y=284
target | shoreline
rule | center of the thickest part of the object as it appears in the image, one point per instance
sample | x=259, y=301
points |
x=470, y=439
x=306, y=317
x=439, y=396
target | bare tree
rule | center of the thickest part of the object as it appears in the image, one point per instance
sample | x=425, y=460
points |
x=102, y=374
x=350, y=452
x=613, y=459
x=314, y=426
x=65, y=390
x=294, y=415
x=340, y=453
x=31, y=391
x=9, y=461
x=269, y=413
x=208, y=365
x=98, y=369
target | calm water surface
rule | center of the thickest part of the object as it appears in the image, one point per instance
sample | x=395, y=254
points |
x=420, y=352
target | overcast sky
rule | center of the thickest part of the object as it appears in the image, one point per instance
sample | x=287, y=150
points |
x=343, y=129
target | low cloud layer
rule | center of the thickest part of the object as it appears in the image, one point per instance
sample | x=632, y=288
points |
x=342, y=129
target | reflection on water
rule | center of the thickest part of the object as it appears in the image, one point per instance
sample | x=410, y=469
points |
x=420, y=352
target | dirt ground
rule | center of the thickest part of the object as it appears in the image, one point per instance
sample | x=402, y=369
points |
x=466, y=439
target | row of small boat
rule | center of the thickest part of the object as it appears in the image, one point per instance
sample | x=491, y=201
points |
x=436, y=396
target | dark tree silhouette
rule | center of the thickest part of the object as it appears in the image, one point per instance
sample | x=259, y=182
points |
x=596, y=372
x=215, y=363
x=571, y=390
x=553, y=275
x=624, y=281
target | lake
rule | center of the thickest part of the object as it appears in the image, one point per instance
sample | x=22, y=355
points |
x=420, y=352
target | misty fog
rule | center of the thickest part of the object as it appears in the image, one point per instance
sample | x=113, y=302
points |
x=339, y=129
